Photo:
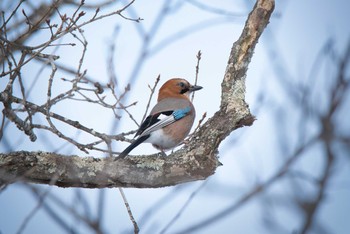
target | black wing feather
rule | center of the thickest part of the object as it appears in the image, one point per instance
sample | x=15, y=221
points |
x=150, y=120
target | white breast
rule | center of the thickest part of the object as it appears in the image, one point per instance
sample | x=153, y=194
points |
x=160, y=140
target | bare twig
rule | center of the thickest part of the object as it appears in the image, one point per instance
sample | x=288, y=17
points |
x=199, y=56
x=136, y=228
x=150, y=96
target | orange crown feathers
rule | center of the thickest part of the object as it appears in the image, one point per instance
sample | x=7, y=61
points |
x=177, y=88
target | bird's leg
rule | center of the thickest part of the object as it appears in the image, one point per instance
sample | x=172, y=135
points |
x=162, y=153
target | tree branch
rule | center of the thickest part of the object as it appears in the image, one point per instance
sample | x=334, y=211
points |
x=195, y=161
x=88, y=172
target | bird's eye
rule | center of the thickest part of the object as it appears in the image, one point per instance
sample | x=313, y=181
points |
x=184, y=87
x=182, y=84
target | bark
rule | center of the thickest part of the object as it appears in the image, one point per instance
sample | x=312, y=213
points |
x=195, y=161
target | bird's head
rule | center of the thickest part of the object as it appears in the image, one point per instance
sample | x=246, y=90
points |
x=177, y=87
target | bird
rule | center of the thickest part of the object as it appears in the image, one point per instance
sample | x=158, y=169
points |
x=170, y=120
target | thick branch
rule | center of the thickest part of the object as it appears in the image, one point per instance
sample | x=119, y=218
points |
x=195, y=161
x=89, y=172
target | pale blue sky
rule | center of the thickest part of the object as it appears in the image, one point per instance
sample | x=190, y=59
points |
x=297, y=31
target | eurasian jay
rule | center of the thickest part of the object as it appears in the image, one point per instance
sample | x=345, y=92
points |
x=170, y=120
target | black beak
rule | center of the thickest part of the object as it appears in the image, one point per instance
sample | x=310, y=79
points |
x=195, y=88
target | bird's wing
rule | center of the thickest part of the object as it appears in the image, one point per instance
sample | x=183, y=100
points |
x=151, y=120
x=161, y=119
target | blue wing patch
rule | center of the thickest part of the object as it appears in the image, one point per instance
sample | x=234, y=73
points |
x=180, y=113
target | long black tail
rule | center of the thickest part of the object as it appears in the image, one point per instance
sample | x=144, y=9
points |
x=132, y=146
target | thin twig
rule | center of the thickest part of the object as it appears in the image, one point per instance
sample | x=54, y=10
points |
x=136, y=228
x=150, y=97
x=198, y=56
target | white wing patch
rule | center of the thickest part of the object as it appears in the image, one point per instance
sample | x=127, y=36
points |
x=164, y=121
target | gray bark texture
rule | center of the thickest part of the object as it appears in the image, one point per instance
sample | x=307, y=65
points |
x=197, y=160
